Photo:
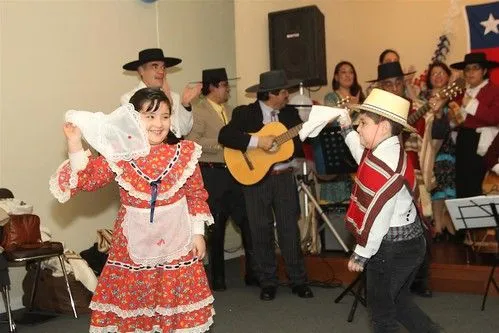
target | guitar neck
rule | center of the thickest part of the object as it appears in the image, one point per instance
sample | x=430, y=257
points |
x=414, y=117
x=289, y=134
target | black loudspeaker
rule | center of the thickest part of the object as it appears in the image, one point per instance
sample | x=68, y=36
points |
x=297, y=44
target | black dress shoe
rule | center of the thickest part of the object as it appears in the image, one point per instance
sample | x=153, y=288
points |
x=218, y=285
x=251, y=280
x=303, y=291
x=268, y=293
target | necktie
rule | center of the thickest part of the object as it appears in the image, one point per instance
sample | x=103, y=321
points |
x=273, y=115
x=222, y=113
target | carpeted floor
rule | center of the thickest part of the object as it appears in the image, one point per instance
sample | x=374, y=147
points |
x=240, y=310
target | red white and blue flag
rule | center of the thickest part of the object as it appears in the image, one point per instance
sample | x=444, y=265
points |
x=483, y=21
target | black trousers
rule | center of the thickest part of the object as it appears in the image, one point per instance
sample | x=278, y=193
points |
x=275, y=197
x=225, y=200
x=470, y=167
x=389, y=274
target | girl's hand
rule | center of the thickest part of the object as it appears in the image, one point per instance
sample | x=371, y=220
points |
x=71, y=132
x=198, y=246
x=73, y=135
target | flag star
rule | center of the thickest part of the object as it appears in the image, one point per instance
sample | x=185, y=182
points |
x=490, y=25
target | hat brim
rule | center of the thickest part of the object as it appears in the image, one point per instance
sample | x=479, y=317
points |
x=487, y=64
x=229, y=79
x=169, y=62
x=391, y=77
x=256, y=87
x=383, y=113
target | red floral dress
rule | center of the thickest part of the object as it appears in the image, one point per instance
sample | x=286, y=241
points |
x=169, y=296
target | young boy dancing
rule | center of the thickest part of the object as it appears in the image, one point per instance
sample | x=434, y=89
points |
x=383, y=215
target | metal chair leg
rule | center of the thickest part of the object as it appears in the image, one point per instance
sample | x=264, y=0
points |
x=6, y=299
x=61, y=260
x=34, y=286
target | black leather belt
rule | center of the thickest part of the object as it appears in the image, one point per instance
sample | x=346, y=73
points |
x=212, y=165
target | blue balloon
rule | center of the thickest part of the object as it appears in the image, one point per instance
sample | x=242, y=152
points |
x=148, y=1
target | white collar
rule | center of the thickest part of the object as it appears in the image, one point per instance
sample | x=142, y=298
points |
x=474, y=91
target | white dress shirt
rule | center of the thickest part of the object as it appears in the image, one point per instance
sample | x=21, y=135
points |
x=180, y=119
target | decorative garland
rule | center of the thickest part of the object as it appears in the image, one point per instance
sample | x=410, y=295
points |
x=443, y=45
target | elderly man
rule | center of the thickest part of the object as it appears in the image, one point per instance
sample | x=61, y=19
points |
x=225, y=195
x=151, y=67
x=275, y=197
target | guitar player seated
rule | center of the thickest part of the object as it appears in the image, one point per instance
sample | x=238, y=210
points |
x=276, y=194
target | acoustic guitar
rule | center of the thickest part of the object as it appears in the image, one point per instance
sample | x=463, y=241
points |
x=251, y=166
x=449, y=92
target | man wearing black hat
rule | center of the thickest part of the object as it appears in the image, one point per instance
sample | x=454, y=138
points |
x=275, y=197
x=151, y=67
x=480, y=108
x=225, y=195
x=391, y=79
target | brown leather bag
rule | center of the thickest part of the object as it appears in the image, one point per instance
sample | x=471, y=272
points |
x=22, y=231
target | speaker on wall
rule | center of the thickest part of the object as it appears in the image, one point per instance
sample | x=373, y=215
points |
x=297, y=44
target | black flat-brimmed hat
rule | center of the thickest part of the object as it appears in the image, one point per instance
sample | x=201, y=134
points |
x=215, y=75
x=273, y=80
x=390, y=70
x=149, y=55
x=475, y=58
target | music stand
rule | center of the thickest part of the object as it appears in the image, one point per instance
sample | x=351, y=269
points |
x=331, y=154
x=332, y=157
x=477, y=212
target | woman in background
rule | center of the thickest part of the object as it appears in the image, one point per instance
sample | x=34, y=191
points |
x=346, y=89
x=439, y=136
x=345, y=86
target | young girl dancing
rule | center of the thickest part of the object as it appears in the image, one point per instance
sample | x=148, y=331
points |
x=154, y=280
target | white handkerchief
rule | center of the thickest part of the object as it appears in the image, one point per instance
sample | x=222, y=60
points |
x=487, y=135
x=118, y=136
x=319, y=116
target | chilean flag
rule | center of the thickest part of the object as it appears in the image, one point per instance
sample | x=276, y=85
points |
x=483, y=21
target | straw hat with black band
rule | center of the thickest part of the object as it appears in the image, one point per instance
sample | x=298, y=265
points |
x=387, y=105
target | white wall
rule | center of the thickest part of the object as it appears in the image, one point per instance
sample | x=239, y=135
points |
x=61, y=55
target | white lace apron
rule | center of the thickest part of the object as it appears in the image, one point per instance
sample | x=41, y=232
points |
x=168, y=238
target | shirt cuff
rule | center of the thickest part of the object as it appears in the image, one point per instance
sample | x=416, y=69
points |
x=253, y=143
x=198, y=228
x=78, y=161
x=495, y=169
x=472, y=106
x=346, y=130
x=188, y=107
x=360, y=260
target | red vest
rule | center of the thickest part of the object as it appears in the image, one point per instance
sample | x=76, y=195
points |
x=376, y=183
